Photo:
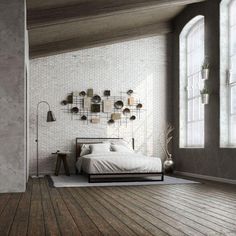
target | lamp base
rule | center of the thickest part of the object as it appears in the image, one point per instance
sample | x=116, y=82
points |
x=37, y=176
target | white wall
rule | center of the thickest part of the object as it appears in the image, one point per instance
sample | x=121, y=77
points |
x=140, y=65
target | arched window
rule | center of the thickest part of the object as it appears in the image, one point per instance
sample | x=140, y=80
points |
x=228, y=74
x=191, y=60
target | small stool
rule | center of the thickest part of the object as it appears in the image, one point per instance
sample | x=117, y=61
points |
x=61, y=157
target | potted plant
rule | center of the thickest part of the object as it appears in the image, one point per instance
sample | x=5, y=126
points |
x=205, y=71
x=168, y=163
x=205, y=96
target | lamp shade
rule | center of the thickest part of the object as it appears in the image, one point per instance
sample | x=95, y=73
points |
x=50, y=117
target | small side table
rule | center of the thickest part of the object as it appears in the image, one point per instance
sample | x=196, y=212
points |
x=61, y=156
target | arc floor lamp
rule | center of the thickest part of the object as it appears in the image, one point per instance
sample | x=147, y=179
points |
x=50, y=118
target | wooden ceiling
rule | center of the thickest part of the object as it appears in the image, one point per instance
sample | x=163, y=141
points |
x=57, y=26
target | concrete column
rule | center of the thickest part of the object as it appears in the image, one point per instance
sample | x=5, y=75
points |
x=12, y=96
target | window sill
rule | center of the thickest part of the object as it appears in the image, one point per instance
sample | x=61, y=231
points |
x=192, y=147
x=228, y=147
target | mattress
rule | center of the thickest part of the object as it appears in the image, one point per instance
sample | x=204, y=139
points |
x=118, y=163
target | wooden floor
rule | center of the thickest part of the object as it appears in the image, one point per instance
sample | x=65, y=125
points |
x=189, y=209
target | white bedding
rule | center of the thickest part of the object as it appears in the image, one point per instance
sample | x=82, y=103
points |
x=115, y=162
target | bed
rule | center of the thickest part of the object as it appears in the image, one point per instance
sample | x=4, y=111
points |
x=109, y=159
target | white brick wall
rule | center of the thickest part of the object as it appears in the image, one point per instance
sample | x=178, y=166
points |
x=139, y=65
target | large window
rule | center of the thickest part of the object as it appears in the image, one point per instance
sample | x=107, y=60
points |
x=191, y=60
x=228, y=73
x=232, y=69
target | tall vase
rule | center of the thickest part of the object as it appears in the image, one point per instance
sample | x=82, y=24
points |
x=169, y=165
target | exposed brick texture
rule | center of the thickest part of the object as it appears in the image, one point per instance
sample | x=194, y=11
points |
x=140, y=65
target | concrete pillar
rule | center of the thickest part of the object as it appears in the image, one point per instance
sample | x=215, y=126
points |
x=12, y=96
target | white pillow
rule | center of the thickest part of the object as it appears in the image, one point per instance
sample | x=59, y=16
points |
x=99, y=148
x=121, y=148
x=121, y=142
x=85, y=150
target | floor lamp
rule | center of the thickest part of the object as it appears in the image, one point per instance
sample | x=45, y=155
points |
x=50, y=118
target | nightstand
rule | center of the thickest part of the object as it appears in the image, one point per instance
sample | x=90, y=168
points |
x=61, y=156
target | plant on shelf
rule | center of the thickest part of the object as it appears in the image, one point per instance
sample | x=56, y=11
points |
x=205, y=70
x=205, y=95
x=167, y=137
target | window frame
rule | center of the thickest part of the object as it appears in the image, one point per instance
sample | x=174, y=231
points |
x=230, y=84
x=184, y=84
x=225, y=73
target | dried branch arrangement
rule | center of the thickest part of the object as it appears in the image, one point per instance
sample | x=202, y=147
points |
x=168, y=136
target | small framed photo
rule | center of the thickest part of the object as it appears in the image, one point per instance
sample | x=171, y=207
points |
x=90, y=92
x=95, y=120
x=107, y=105
x=87, y=103
x=116, y=116
x=107, y=93
x=95, y=108
x=130, y=101
x=70, y=99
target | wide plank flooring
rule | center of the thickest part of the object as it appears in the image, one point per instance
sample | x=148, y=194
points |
x=187, y=209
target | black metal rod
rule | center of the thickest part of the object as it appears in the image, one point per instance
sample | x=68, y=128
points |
x=37, y=141
x=98, y=138
x=92, y=177
x=37, y=134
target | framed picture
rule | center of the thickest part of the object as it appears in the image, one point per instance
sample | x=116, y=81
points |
x=95, y=120
x=87, y=103
x=95, y=108
x=116, y=116
x=90, y=92
x=130, y=101
x=107, y=106
x=70, y=99
x=107, y=93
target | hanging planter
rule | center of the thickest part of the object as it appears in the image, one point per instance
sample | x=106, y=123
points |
x=205, y=96
x=205, y=69
x=205, y=73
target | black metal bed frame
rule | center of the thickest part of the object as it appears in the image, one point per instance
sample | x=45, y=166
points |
x=122, y=177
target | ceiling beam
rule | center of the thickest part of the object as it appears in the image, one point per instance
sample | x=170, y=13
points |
x=98, y=40
x=94, y=9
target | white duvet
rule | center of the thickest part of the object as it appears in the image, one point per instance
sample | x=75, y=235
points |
x=115, y=162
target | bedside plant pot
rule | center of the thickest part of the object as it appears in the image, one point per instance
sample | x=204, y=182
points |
x=205, y=98
x=168, y=166
x=205, y=74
